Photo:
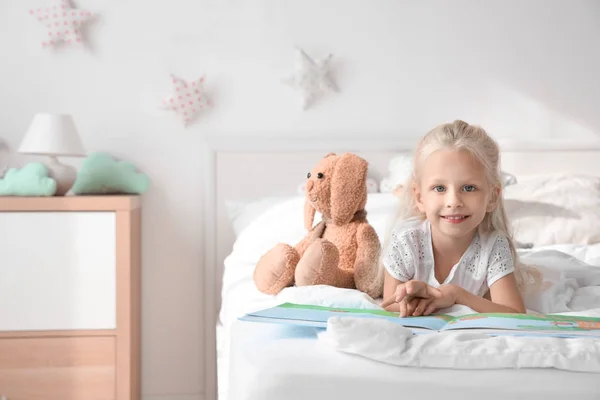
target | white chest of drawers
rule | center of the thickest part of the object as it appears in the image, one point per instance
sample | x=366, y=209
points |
x=70, y=298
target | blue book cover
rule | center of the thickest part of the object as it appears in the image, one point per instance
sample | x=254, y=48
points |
x=490, y=323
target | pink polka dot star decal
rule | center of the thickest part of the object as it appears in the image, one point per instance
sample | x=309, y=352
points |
x=188, y=99
x=63, y=23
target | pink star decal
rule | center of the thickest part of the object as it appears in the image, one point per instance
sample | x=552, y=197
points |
x=63, y=23
x=188, y=99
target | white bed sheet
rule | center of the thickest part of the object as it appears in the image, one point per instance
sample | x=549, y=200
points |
x=261, y=361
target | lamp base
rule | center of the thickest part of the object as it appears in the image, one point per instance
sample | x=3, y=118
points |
x=63, y=174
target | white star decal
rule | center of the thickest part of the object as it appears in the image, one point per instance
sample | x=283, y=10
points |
x=311, y=78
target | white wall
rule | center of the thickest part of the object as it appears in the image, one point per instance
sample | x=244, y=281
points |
x=525, y=70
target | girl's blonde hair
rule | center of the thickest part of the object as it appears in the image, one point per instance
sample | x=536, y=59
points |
x=460, y=136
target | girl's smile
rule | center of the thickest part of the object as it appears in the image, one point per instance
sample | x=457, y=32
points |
x=454, y=219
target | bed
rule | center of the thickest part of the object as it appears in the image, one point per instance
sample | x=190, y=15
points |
x=256, y=189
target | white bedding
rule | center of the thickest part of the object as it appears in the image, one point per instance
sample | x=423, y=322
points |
x=386, y=342
x=260, y=361
x=275, y=362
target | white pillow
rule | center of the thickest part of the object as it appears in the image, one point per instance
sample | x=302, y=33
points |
x=241, y=213
x=555, y=209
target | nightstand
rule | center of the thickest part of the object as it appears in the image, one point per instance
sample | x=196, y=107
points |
x=70, y=298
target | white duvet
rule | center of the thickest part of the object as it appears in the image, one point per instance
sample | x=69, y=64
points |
x=572, y=286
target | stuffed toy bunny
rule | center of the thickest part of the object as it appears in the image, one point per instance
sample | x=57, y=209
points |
x=342, y=250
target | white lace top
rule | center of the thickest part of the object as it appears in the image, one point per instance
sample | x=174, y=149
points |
x=410, y=256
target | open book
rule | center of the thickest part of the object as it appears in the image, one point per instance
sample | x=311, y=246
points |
x=492, y=324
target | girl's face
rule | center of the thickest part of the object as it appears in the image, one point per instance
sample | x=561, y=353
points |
x=454, y=193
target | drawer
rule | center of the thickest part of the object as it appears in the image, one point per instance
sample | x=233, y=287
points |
x=62, y=368
x=58, y=271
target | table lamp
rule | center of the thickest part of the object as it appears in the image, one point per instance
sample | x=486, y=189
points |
x=54, y=135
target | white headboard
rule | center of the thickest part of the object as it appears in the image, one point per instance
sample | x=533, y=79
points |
x=250, y=169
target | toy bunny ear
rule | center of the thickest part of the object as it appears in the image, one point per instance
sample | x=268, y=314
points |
x=309, y=214
x=348, y=187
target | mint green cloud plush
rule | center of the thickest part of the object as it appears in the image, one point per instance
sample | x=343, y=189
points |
x=101, y=174
x=30, y=180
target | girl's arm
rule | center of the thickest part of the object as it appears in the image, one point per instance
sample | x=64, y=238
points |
x=504, y=294
x=389, y=284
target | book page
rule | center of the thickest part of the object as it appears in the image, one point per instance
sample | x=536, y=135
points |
x=527, y=323
x=318, y=316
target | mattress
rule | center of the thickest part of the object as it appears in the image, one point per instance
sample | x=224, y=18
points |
x=284, y=362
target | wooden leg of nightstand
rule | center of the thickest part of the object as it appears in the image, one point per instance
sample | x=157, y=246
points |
x=128, y=346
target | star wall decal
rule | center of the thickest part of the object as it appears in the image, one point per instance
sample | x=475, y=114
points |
x=63, y=23
x=311, y=78
x=188, y=99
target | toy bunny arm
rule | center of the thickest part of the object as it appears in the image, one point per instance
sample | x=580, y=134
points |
x=314, y=234
x=368, y=277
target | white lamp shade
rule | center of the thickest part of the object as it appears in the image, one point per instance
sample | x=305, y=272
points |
x=52, y=135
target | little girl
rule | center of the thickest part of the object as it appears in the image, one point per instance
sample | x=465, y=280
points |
x=451, y=244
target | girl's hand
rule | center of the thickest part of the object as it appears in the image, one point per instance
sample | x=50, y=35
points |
x=421, y=307
x=449, y=296
x=405, y=292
